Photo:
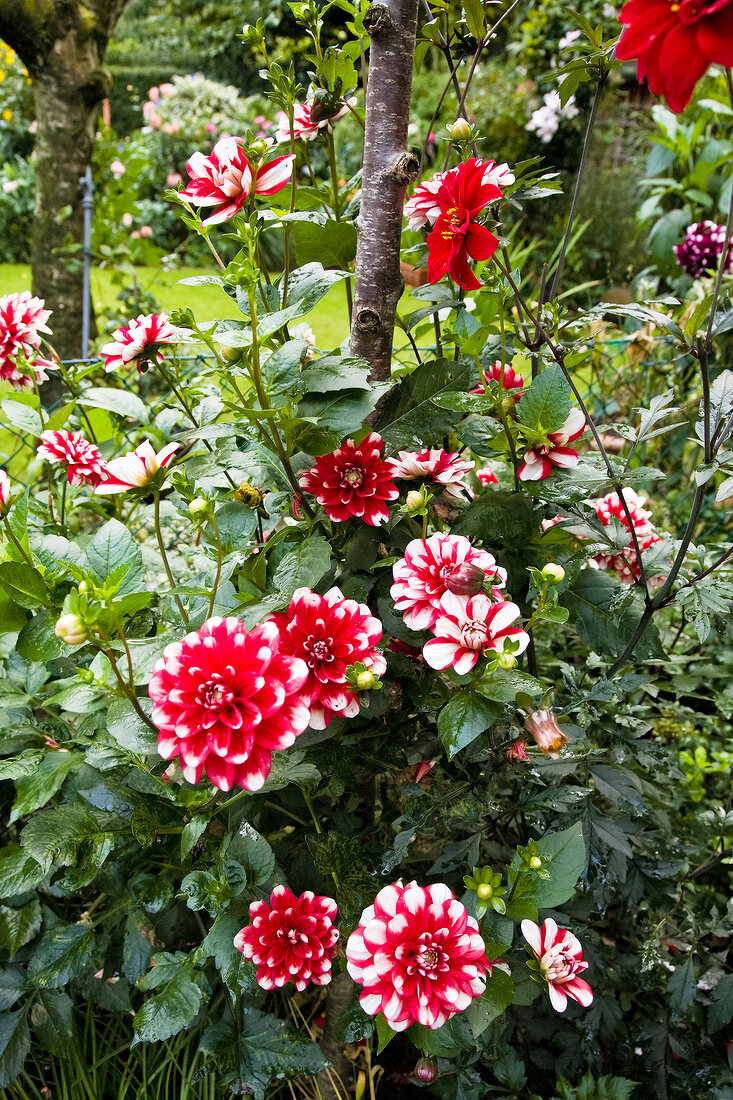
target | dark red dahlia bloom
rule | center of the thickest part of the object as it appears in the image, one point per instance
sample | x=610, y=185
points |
x=456, y=236
x=225, y=699
x=353, y=481
x=700, y=252
x=330, y=634
x=675, y=42
x=291, y=938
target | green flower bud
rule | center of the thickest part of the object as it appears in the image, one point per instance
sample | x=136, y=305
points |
x=535, y=863
x=365, y=680
x=460, y=130
x=198, y=507
x=553, y=573
x=71, y=630
x=414, y=501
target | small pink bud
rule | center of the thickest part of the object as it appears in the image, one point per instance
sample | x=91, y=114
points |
x=466, y=580
x=426, y=1071
x=423, y=768
x=146, y=231
x=173, y=179
x=127, y=220
x=547, y=735
x=517, y=752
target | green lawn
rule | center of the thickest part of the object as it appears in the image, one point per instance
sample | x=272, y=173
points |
x=329, y=319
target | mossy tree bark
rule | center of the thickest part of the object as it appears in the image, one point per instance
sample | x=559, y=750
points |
x=62, y=45
x=388, y=168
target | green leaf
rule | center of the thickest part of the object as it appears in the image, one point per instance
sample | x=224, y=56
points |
x=191, y=833
x=112, y=546
x=302, y=567
x=122, y=402
x=22, y=416
x=491, y=1004
x=254, y=853
x=152, y=893
x=168, y=1012
x=51, y=1018
x=546, y=404
x=385, y=1034
x=238, y=973
x=498, y=519
x=342, y=412
x=62, y=955
x=12, y=986
x=475, y=18
x=608, y=614
x=269, y=1051
x=333, y=372
x=463, y=719
x=721, y=1004
x=563, y=855
x=19, y=873
x=35, y=790
x=137, y=947
x=66, y=835
x=681, y=988
x=15, y=1045
x=353, y=1025
x=410, y=418
x=128, y=729
x=37, y=641
x=19, y=926
x=618, y=787
x=332, y=242
x=22, y=583
x=307, y=286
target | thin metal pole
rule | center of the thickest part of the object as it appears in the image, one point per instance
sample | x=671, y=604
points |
x=87, y=202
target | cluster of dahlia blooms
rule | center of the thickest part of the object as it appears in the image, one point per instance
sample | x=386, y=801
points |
x=625, y=564
x=676, y=43
x=82, y=459
x=450, y=204
x=139, y=342
x=699, y=254
x=309, y=120
x=228, y=177
x=22, y=320
x=440, y=585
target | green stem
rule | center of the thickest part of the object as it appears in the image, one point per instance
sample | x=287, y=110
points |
x=16, y=543
x=164, y=556
x=64, y=487
x=317, y=825
x=219, y=560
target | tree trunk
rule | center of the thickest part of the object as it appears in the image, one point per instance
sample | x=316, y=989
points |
x=388, y=168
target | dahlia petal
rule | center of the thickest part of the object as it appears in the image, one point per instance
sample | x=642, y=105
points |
x=580, y=991
x=558, y=997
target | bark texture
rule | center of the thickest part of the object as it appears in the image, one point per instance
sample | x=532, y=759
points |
x=388, y=168
x=62, y=44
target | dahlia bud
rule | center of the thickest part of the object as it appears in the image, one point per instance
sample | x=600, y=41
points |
x=535, y=863
x=553, y=573
x=198, y=507
x=466, y=580
x=258, y=148
x=414, y=501
x=484, y=891
x=507, y=660
x=460, y=130
x=547, y=735
x=71, y=630
x=366, y=680
x=230, y=355
x=4, y=492
x=426, y=1071
x=517, y=752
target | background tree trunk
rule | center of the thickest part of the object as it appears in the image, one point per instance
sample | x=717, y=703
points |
x=388, y=168
x=62, y=44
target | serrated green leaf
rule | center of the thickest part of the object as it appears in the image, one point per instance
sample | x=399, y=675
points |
x=463, y=719
x=112, y=546
x=37, y=641
x=254, y=853
x=410, y=418
x=15, y=1045
x=191, y=833
x=720, y=1012
x=51, y=1018
x=35, y=790
x=22, y=584
x=563, y=854
x=128, y=729
x=545, y=405
x=122, y=402
x=491, y=1004
x=62, y=955
x=18, y=872
x=168, y=1012
x=65, y=835
x=19, y=926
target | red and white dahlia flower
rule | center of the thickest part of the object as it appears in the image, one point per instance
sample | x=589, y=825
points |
x=456, y=236
x=225, y=699
x=421, y=577
x=330, y=634
x=625, y=563
x=22, y=319
x=226, y=178
x=487, y=476
x=424, y=208
x=139, y=342
x=541, y=457
x=444, y=467
x=559, y=956
x=676, y=43
x=353, y=481
x=306, y=121
x=137, y=468
x=4, y=491
x=469, y=628
x=418, y=955
x=84, y=462
x=504, y=374
x=290, y=939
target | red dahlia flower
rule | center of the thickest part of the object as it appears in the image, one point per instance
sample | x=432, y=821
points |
x=443, y=467
x=291, y=938
x=419, y=956
x=559, y=956
x=329, y=633
x=139, y=342
x=225, y=699
x=468, y=628
x=424, y=206
x=353, y=481
x=421, y=577
x=456, y=236
x=699, y=254
x=84, y=463
x=226, y=178
x=675, y=42
x=625, y=564
x=540, y=458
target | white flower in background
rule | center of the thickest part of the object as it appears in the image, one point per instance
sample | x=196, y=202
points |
x=546, y=119
x=568, y=40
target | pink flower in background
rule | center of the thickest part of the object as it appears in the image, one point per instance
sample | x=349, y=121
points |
x=418, y=955
x=84, y=463
x=487, y=476
x=290, y=939
x=540, y=458
x=423, y=208
x=330, y=634
x=625, y=563
x=469, y=628
x=510, y=380
x=443, y=467
x=225, y=699
x=699, y=254
x=559, y=956
x=165, y=89
x=140, y=341
x=226, y=178
x=154, y=92
x=117, y=168
x=421, y=577
x=543, y=727
x=173, y=179
x=210, y=128
x=127, y=220
x=146, y=231
x=136, y=469
x=353, y=481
